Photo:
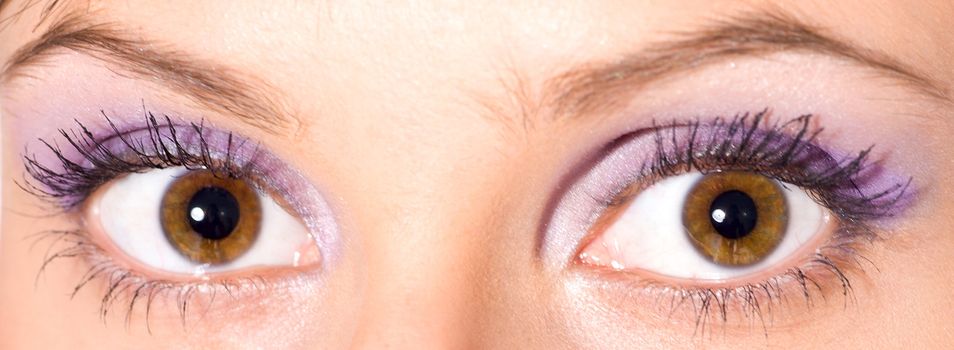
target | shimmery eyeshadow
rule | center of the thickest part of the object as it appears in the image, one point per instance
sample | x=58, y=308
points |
x=67, y=178
x=851, y=186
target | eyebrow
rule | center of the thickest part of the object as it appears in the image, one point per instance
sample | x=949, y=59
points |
x=207, y=83
x=581, y=90
x=599, y=87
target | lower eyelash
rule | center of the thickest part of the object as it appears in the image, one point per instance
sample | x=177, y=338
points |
x=127, y=287
x=812, y=279
x=820, y=276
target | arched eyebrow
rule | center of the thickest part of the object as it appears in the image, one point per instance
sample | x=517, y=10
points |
x=207, y=83
x=595, y=88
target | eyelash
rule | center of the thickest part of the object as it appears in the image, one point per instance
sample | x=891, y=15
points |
x=743, y=143
x=69, y=187
x=793, y=165
x=124, y=283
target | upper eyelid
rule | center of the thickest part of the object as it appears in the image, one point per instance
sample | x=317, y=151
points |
x=91, y=158
x=624, y=162
x=251, y=160
x=794, y=157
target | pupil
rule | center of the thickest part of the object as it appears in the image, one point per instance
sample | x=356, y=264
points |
x=733, y=214
x=213, y=213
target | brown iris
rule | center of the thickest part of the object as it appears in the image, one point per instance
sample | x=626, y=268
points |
x=210, y=219
x=735, y=218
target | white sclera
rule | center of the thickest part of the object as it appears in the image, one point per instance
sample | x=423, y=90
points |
x=650, y=234
x=128, y=213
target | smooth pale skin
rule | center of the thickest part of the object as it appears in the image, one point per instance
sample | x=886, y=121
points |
x=440, y=176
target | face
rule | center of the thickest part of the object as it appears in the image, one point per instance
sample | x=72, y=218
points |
x=445, y=175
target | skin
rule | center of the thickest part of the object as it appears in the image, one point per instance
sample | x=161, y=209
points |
x=428, y=128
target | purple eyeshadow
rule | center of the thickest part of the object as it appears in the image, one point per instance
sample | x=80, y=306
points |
x=94, y=157
x=852, y=187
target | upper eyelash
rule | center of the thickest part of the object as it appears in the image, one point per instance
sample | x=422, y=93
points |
x=746, y=144
x=70, y=185
x=773, y=152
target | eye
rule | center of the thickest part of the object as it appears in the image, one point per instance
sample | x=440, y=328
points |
x=715, y=226
x=194, y=222
x=725, y=206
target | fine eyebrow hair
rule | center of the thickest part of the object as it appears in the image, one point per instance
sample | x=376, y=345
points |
x=206, y=83
x=596, y=88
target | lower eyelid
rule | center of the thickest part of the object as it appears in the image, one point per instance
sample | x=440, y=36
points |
x=120, y=289
x=827, y=277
